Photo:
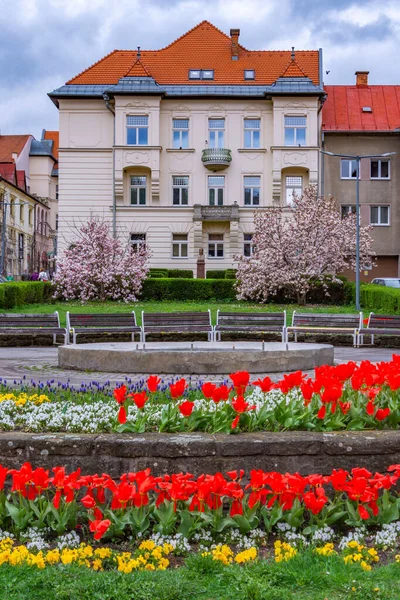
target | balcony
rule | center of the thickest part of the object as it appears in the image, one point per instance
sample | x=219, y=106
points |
x=203, y=212
x=216, y=159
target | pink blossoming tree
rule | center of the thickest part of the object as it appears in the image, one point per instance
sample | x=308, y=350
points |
x=293, y=249
x=98, y=267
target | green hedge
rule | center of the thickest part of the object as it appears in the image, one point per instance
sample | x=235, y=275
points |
x=188, y=289
x=25, y=292
x=379, y=298
x=215, y=274
x=181, y=273
x=158, y=272
x=230, y=273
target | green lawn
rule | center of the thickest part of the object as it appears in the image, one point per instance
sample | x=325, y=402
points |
x=305, y=577
x=113, y=307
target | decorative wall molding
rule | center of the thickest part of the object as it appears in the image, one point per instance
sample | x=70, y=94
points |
x=136, y=158
x=294, y=158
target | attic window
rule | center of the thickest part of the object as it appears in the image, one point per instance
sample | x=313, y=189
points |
x=201, y=74
x=249, y=74
x=367, y=109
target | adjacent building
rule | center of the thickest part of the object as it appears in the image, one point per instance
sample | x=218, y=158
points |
x=361, y=120
x=27, y=204
x=178, y=147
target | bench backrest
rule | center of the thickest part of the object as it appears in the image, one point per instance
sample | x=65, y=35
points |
x=176, y=319
x=261, y=319
x=26, y=320
x=384, y=321
x=101, y=320
x=327, y=320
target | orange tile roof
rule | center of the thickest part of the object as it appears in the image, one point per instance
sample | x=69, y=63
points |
x=54, y=136
x=10, y=144
x=342, y=110
x=138, y=70
x=203, y=47
x=293, y=70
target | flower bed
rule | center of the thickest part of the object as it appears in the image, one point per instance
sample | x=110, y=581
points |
x=343, y=397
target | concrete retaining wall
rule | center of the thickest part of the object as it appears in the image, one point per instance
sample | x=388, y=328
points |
x=197, y=452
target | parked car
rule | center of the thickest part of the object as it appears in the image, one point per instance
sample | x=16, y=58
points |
x=393, y=282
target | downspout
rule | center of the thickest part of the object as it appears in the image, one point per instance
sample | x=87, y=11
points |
x=322, y=164
x=114, y=205
x=321, y=157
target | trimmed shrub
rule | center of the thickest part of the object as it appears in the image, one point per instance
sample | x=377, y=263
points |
x=25, y=292
x=188, y=289
x=181, y=273
x=215, y=274
x=380, y=298
x=158, y=272
x=230, y=273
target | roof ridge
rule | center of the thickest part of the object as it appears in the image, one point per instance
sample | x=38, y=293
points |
x=91, y=66
x=204, y=22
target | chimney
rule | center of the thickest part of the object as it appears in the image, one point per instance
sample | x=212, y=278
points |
x=234, y=33
x=361, y=77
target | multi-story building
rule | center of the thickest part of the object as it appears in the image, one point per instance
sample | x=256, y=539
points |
x=361, y=120
x=178, y=147
x=28, y=204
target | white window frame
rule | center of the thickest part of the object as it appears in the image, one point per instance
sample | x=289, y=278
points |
x=248, y=243
x=137, y=240
x=216, y=189
x=207, y=74
x=137, y=127
x=218, y=241
x=180, y=186
x=216, y=134
x=252, y=129
x=251, y=186
x=292, y=186
x=380, y=161
x=180, y=144
x=350, y=162
x=180, y=241
x=249, y=74
x=295, y=127
x=139, y=185
x=379, y=222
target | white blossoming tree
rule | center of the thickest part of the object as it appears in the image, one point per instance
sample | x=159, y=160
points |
x=293, y=249
x=98, y=267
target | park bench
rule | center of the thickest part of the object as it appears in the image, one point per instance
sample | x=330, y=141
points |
x=234, y=322
x=379, y=325
x=178, y=322
x=25, y=324
x=102, y=324
x=322, y=323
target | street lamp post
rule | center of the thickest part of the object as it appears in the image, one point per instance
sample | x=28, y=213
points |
x=358, y=159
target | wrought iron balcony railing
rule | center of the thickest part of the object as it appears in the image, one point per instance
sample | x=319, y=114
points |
x=216, y=159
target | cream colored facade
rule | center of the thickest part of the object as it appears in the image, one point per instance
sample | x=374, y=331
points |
x=96, y=166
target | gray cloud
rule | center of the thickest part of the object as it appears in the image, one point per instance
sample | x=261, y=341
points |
x=43, y=43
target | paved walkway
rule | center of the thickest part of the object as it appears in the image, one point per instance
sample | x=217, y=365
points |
x=41, y=364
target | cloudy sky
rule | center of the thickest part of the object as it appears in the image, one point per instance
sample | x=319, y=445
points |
x=43, y=43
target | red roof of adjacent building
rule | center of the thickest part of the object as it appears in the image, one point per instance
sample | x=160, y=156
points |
x=10, y=144
x=203, y=47
x=54, y=136
x=343, y=110
x=21, y=181
x=9, y=172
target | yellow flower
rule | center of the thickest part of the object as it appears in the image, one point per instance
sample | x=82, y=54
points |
x=168, y=548
x=102, y=552
x=53, y=556
x=147, y=545
x=365, y=566
x=246, y=555
x=150, y=567
x=97, y=565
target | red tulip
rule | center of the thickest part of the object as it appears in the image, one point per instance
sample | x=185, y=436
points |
x=364, y=514
x=186, y=408
x=99, y=527
x=153, y=382
x=120, y=394
x=88, y=501
x=177, y=389
x=240, y=381
x=344, y=407
x=208, y=389
x=220, y=393
x=235, y=422
x=240, y=405
x=370, y=408
x=122, y=415
x=307, y=389
x=139, y=399
x=322, y=412
x=382, y=413
x=265, y=384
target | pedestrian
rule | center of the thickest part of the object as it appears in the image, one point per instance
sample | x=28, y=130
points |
x=43, y=275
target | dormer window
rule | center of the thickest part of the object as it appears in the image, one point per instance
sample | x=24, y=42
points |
x=249, y=74
x=201, y=74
